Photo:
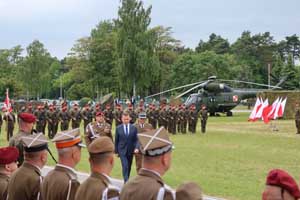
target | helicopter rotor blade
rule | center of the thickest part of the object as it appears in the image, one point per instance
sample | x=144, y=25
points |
x=172, y=89
x=251, y=83
x=197, y=86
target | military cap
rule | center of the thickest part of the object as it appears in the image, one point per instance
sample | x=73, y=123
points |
x=188, y=191
x=101, y=145
x=27, y=117
x=8, y=155
x=142, y=115
x=99, y=113
x=68, y=138
x=280, y=178
x=155, y=142
x=35, y=142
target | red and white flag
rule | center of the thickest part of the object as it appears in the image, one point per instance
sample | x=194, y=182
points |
x=257, y=106
x=259, y=113
x=275, y=104
x=7, y=104
x=277, y=109
x=282, y=107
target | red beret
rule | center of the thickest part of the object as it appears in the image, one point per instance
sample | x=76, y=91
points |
x=27, y=117
x=8, y=155
x=99, y=114
x=282, y=179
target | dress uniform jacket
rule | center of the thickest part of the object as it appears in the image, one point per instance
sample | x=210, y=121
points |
x=147, y=186
x=96, y=128
x=25, y=183
x=3, y=186
x=94, y=188
x=60, y=184
x=16, y=142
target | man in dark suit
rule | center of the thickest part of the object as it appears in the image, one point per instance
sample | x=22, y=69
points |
x=126, y=144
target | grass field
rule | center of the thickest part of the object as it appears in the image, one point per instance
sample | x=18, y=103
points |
x=231, y=160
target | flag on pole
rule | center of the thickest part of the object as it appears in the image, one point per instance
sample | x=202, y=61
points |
x=271, y=114
x=282, y=107
x=277, y=108
x=7, y=104
x=257, y=106
x=261, y=109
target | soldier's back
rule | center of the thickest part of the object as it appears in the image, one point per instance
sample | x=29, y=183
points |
x=144, y=186
x=25, y=183
x=3, y=186
x=15, y=141
x=60, y=184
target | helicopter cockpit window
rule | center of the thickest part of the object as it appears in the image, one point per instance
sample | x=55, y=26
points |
x=227, y=89
x=191, y=100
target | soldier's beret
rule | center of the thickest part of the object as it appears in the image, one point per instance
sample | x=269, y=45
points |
x=101, y=144
x=99, y=113
x=142, y=115
x=27, y=117
x=8, y=155
x=282, y=179
x=69, y=138
x=155, y=142
x=34, y=143
x=189, y=191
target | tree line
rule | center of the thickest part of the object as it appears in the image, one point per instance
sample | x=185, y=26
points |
x=128, y=57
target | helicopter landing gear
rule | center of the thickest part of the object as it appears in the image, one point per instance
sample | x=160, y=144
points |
x=212, y=114
x=229, y=114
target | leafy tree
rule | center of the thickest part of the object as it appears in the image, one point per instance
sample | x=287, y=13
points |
x=137, y=62
x=215, y=43
x=35, y=65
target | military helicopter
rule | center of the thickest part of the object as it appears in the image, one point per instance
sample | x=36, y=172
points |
x=216, y=95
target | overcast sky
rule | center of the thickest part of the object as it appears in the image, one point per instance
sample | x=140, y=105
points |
x=59, y=23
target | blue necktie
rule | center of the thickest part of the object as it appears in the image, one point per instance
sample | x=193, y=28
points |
x=126, y=130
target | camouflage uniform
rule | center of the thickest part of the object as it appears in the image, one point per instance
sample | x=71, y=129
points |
x=193, y=119
x=297, y=120
x=10, y=121
x=203, y=117
x=75, y=118
x=52, y=119
x=64, y=118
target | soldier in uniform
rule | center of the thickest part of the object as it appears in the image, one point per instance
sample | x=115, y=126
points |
x=118, y=115
x=8, y=164
x=75, y=117
x=179, y=118
x=29, y=108
x=62, y=183
x=108, y=114
x=64, y=118
x=148, y=184
x=297, y=118
x=10, y=119
x=280, y=185
x=172, y=119
x=57, y=118
x=141, y=126
x=52, y=120
x=98, y=185
x=203, y=117
x=26, y=181
x=163, y=117
x=87, y=116
x=193, y=119
x=96, y=109
x=97, y=129
x=151, y=115
x=132, y=114
x=26, y=124
x=40, y=119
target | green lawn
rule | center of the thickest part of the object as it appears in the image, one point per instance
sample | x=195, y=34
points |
x=231, y=160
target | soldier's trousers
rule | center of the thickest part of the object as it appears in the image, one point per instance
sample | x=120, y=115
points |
x=10, y=130
x=39, y=127
x=192, y=127
x=203, y=125
x=172, y=128
x=51, y=130
x=64, y=126
x=183, y=125
x=153, y=123
x=297, y=122
x=75, y=125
